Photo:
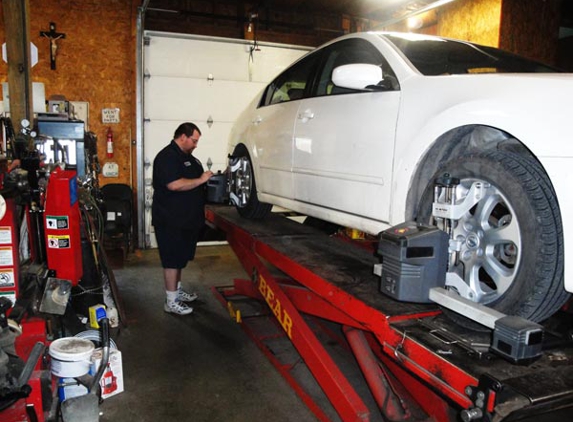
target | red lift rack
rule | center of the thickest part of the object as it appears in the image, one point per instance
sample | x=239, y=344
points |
x=312, y=301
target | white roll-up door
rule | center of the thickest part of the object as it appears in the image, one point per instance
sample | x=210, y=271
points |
x=204, y=80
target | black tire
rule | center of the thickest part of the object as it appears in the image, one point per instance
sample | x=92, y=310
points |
x=244, y=186
x=518, y=230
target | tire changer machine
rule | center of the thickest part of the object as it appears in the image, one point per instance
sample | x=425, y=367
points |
x=50, y=268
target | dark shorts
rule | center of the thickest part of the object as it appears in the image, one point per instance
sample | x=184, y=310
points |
x=176, y=246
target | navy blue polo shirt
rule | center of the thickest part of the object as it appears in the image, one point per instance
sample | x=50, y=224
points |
x=177, y=209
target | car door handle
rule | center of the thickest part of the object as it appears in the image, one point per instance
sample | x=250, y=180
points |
x=257, y=120
x=306, y=115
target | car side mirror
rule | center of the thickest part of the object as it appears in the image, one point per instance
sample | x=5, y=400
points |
x=357, y=76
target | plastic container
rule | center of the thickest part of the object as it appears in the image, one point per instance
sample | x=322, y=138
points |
x=95, y=337
x=71, y=357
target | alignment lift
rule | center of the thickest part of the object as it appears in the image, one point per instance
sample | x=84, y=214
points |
x=359, y=355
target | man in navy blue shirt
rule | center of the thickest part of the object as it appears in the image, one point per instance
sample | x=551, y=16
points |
x=178, y=211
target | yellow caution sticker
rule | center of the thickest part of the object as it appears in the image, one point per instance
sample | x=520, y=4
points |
x=58, y=242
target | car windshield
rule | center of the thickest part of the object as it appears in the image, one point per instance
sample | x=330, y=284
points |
x=437, y=56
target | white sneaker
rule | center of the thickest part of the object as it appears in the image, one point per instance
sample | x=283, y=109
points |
x=184, y=296
x=178, y=308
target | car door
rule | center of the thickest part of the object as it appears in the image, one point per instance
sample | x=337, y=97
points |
x=344, y=139
x=272, y=128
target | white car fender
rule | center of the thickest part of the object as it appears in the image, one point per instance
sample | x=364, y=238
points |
x=543, y=135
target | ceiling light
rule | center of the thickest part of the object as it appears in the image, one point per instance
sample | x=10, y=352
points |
x=415, y=22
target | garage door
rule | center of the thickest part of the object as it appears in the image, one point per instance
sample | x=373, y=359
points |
x=204, y=80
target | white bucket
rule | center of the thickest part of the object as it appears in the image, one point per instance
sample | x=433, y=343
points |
x=71, y=356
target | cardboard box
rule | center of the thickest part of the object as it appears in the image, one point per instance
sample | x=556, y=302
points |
x=111, y=382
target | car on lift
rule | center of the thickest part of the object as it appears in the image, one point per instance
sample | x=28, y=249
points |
x=357, y=131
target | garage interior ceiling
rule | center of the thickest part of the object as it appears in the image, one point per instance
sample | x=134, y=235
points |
x=383, y=11
x=376, y=10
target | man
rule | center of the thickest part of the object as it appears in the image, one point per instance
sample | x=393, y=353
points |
x=178, y=211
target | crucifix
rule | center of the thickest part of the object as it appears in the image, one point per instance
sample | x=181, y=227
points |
x=53, y=36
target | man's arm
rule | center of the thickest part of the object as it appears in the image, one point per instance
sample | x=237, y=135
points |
x=184, y=184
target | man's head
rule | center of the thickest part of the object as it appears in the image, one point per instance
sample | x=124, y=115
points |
x=187, y=136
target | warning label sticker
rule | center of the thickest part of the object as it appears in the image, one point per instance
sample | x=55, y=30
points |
x=58, y=242
x=5, y=235
x=6, y=256
x=7, y=278
x=56, y=222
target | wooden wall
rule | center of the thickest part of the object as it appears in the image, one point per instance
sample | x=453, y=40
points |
x=528, y=28
x=95, y=63
x=531, y=28
x=471, y=20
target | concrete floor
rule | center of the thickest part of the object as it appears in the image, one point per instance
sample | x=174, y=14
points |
x=200, y=367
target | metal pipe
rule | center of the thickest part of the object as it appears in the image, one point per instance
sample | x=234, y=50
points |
x=140, y=169
x=388, y=402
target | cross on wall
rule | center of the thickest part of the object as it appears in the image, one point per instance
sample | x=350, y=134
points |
x=53, y=36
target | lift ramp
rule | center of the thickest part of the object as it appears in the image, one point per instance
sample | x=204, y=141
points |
x=312, y=304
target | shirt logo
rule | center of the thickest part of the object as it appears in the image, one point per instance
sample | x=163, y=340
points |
x=187, y=163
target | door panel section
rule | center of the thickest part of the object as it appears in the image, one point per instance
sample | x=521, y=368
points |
x=272, y=128
x=347, y=146
x=344, y=139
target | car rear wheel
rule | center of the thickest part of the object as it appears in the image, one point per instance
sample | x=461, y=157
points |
x=510, y=244
x=244, y=187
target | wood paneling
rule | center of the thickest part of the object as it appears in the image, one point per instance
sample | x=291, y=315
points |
x=471, y=20
x=531, y=28
x=94, y=63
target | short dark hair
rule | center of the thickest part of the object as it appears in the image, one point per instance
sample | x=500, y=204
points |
x=186, y=129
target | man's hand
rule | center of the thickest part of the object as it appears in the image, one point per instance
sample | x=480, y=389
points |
x=188, y=184
x=206, y=176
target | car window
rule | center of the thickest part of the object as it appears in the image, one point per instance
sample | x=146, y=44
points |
x=350, y=52
x=438, y=56
x=291, y=84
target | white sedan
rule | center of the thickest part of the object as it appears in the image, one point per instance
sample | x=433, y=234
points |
x=357, y=131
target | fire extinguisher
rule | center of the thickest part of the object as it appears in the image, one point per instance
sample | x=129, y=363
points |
x=109, y=143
